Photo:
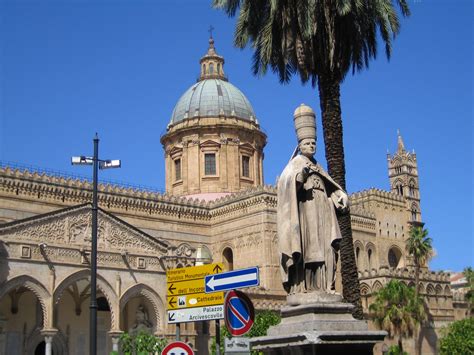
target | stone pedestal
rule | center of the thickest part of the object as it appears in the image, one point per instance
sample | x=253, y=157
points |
x=318, y=328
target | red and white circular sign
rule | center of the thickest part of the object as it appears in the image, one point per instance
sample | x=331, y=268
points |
x=177, y=348
x=239, y=313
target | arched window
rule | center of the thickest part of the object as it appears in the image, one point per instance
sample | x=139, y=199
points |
x=400, y=189
x=357, y=258
x=414, y=213
x=218, y=68
x=211, y=68
x=411, y=189
x=228, y=259
x=369, y=258
x=394, y=256
x=204, y=69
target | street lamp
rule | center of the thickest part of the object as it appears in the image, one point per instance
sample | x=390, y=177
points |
x=97, y=164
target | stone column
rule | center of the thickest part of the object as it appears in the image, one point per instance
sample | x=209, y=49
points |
x=115, y=337
x=48, y=339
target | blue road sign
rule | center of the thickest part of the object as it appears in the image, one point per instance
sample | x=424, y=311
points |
x=239, y=313
x=232, y=280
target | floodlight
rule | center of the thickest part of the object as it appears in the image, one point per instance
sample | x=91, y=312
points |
x=110, y=164
x=82, y=160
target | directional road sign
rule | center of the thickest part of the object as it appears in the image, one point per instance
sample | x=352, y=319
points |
x=239, y=313
x=185, y=287
x=177, y=348
x=195, y=300
x=197, y=314
x=192, y=272
x=186, y=300
x=232, y=280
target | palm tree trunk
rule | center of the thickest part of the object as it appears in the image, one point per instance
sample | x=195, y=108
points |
x=417, y=278
x=329, y=93
x=417, y=291
x=400, y=345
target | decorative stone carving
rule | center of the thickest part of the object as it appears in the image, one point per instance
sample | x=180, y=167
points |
x=142, y=323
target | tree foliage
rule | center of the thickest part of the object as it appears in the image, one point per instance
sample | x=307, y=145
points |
x=142, y=343
x=458, y=338
x=313, y=38
x=397, y=309
x=321, y=41
x=419, y=246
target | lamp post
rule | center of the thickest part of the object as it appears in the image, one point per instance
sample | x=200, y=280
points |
x=97, y=164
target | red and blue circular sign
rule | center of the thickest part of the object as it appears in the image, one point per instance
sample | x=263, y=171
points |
x=239, y=313
x=177, y=348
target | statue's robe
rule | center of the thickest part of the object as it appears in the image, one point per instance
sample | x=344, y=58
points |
x=308, y=231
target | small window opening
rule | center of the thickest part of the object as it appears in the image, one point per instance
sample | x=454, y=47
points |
x=245, y=166
x=177, y=169
x=210, y=164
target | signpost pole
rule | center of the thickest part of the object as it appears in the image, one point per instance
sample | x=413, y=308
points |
x=218, y=338
x=178, y=331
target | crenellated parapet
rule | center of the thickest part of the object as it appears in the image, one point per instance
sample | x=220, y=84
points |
x=405, y=273
x=62, y=191
x=377, y=195
x=241, y=202
x=362, y=219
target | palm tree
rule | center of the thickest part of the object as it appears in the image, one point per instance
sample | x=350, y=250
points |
x=419, y=246
x=320, y=40
x=398, y=310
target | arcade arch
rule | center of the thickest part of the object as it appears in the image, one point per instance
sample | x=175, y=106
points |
x=141, y=298
x=71, y=300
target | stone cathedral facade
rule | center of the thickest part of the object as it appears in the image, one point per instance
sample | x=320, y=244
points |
x=215, y=209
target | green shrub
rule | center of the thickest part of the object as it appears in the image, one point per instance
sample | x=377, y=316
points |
x=142, y=343
x=458, y=338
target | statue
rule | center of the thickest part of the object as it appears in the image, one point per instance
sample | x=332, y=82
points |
x=141, y=321
x=308, y=231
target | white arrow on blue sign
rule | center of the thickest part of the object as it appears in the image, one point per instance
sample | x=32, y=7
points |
x=232, y=280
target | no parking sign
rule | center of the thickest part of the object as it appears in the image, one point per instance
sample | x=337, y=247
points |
x=177, y=348
x=239, y=313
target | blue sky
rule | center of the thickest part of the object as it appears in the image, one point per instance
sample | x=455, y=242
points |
x=69, y=69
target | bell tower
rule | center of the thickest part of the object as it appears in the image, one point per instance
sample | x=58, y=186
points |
x=403, y=176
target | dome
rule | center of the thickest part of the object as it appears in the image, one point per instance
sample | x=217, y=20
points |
x=212, y=97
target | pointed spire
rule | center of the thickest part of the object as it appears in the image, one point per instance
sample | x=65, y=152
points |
x=401, y=145
x=212, y=64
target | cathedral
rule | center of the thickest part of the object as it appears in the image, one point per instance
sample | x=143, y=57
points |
x=216, y=209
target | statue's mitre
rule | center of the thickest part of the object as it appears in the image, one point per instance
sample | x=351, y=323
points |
x=305, y=123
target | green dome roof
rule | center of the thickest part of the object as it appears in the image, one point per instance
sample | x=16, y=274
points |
x=211, y=98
